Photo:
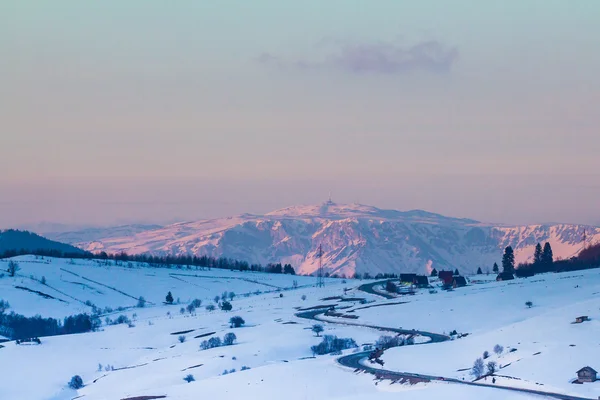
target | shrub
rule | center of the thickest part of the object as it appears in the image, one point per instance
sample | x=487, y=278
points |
x=181, y=338
x=217, y=299
x=210, y=307
x=3, y=306
x=182, y=311
x=43, y=281
x=190, y=308
x=229, y=339
x=121, y=319
x=225, y=372
x=196, y=303
x=141, y=302
x=478, y=368
x=529, y=304
x=303, y=297
x=231, y=371
x=317, y=329
x=76, y=382
x=236, y=322
x=231, y=296
x=486, y=354
x=386, y=342
x=189, y=378
x=244, y=368
x=226, y=306
x=498, y=349
x=332, y=343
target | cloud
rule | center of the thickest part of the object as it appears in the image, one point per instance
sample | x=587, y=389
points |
x=383, y=58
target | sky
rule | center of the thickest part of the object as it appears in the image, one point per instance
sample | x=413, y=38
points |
x=150, y=111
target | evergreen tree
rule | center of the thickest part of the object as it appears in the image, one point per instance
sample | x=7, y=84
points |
x=508, y=260
x=496, y=269
x=479, y=271
x=169, y=298
x=456, y=273
x=547, y=256
x=537, y=255
x=434, y=272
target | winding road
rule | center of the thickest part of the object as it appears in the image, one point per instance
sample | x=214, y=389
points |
x=356, y=361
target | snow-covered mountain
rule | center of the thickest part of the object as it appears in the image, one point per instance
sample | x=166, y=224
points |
x=354, y=238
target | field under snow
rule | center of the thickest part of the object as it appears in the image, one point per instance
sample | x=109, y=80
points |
x=149, y=360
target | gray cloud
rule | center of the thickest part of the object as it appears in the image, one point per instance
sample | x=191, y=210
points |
x=376, y=58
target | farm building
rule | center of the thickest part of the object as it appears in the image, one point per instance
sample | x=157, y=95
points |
x=421, y=281
x=459, y=281
x=407, y=278
x=586, y=374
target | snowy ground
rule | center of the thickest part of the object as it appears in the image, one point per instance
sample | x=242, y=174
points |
x=148, y=359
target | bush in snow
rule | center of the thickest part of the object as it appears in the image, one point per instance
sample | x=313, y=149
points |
x=196, y=303
x=492, y=366
x=182, y=310
x=529, y=304
x=236, y=322
x=225, y=372
x=210, y=307
x=303, y=297
x=478, y=368
x=231, y=295
x=229, y=339
x=317, y=329
x=121, y=319
x=386, y=342
x=181, y=339
x=76, y=382
x=217, y=299
x=189, y=378
x=43, y=281
x=332, y=344
x=214, y=342
x=486, y=354
x=226, y=306
x=141, y=302
x=4, y=306
x=244, y=368
x=498, y=349
x=190, y=308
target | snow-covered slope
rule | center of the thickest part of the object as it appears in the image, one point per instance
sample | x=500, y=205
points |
x=354, y=238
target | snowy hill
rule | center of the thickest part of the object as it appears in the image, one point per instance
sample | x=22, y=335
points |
x=148, y=358
x=355, y=238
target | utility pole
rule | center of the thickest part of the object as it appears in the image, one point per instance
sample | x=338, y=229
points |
x=320, y=281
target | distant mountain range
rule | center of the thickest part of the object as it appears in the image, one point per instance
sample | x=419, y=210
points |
x=354, y=238
x=31, y=242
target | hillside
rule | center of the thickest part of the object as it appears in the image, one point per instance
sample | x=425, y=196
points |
x=150, y=356
x=355, y=239
x=28, y=241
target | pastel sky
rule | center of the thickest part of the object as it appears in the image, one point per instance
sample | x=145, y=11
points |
x=152, y=111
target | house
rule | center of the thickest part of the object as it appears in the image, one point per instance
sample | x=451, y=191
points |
x=459, y=281
x=581, y=319
x=421, y=281
x=586, y=374
x=446, y=277
x=505, y=276
x=407, y=278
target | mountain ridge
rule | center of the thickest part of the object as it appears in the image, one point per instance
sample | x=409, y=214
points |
x=355, y=238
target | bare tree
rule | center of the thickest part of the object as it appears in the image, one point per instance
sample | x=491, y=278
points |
x=478, y=368
x=492, y=366
x=498, y=349
x=13, y=268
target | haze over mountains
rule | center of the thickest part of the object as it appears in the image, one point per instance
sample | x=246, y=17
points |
x=355, y=239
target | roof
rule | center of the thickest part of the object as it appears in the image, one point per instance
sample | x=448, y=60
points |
x=421, y=280
x=444, y=274
x=587, y=369
x=460, y=280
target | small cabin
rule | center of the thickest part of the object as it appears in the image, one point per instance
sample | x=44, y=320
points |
x=459, y=281
x=446, y=277
x=421, y=281
x=505, y=276
x=586, y=374
x=581, y=319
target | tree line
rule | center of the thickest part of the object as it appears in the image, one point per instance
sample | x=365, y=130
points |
x=160, y=261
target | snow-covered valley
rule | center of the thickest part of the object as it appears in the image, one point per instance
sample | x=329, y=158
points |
x=542, y=347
